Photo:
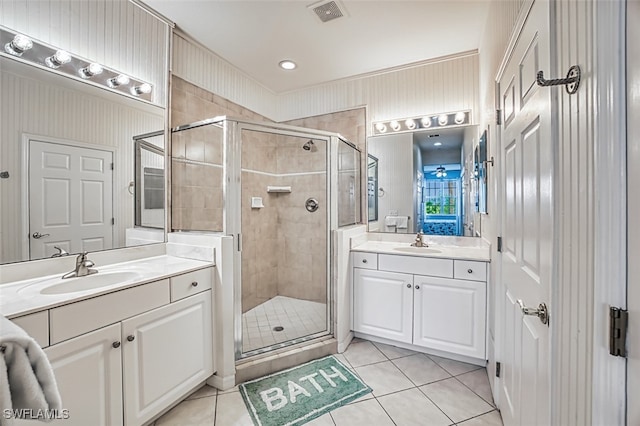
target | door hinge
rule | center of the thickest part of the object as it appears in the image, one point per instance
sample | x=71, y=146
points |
x=499, y=244
x=239, y=242
x=498, y=117
x=113, y=220
x=618, y=321
x=497, y=369
x=111, y=166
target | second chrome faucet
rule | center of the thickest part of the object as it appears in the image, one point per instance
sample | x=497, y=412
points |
x=83, y=267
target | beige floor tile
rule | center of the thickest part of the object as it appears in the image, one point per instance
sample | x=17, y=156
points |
x=324, y=420
x=384, y=378
x=455, y=399
x=343, y=359
x=490, y=419
x=193, y=412
x=363, y=353
x=204, y=391
x=233, y=389
x=393, y=352
x=411, y=407
x=231, y=411
x=478, y=381
x=420, y=369
x=454, y=367
x=366, y=413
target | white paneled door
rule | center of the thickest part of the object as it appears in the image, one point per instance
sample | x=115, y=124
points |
x=70, y=199
x=526, y=225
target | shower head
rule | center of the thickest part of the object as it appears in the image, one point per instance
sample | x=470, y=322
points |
x=307, y=146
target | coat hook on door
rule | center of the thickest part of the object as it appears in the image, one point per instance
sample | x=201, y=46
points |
x=571, y=82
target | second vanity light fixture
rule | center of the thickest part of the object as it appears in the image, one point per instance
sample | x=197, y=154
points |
x=28, y=50
x=438, y=121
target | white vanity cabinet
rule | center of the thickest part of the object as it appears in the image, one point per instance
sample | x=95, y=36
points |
x=383, y=304
x=166, y=353
x=128, y=372
x=435, y=304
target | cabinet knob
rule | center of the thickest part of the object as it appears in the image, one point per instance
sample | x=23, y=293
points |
x=364, y=260
x=130, y=338
x=417, y=287
x=470, y=271
x=408, y=285
x=115, y=345
x=194, y=284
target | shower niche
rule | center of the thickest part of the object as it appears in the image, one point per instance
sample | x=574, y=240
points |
x=307, y=183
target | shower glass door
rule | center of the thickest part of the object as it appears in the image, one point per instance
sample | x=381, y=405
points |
x=283, y=256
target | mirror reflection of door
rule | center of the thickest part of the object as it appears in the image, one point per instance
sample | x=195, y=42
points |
x=70, y=198
x=372, y=188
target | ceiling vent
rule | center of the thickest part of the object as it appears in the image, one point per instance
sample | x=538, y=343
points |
x=328, y=10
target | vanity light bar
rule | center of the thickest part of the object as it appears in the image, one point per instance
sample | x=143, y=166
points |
x=21, y=47
x=432, y=121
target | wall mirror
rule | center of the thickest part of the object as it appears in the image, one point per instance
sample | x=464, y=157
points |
x=372, y=188
x=481, y=173
x=69, y=156
x=422, y=180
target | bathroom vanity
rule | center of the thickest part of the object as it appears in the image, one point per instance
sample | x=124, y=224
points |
x=430, y=299
x=124, y=351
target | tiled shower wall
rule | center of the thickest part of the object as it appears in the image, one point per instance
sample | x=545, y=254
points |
x=288, y=259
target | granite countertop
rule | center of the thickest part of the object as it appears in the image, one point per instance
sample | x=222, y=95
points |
x=24, y=297
x=443, y=248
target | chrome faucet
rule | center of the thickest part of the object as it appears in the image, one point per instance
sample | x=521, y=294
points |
x=61, y=252
x=419, y=241
x=83, y=267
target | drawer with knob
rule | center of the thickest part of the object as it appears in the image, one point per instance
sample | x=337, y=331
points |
x=470, y=270
x=191, y=283
x=365, y=260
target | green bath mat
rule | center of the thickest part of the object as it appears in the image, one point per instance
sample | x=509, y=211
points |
x=300, y=394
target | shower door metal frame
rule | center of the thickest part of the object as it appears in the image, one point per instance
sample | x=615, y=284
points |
x=232, y=222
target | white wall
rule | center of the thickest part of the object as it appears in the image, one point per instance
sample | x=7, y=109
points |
x=115, y=33
x=447, y=84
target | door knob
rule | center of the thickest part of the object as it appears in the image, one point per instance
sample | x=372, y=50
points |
x=542, y=312
x=408, y=285
x=38, y=235
x=417, y=287
x=130, y=338
x=115, y=345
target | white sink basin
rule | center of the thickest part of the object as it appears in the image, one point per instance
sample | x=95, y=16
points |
x=89, y=282
x=424, y=250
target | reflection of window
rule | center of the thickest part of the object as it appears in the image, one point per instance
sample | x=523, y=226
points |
x=441, y=196
x=153, y=188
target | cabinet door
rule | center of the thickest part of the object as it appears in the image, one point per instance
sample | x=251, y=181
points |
x=383, y=304
x=166, y=353
x=450, y=315
x=88, y=371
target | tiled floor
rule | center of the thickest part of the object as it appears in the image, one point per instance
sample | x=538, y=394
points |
x=298, y=317
x=409, y=388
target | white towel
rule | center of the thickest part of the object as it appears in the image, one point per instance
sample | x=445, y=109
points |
x=402, y=222
x=390, y=220
x=26, y=376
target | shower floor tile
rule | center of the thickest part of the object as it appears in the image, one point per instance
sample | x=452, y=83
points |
x=297, y=317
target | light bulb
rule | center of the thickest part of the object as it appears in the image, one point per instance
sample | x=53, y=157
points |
x=18, y=45
x=143, y=88
x=395, y=125
x=444, y=174
x=437, y=144
x=410, y=123
x=287, y=65
x=59, y=58
x=443, y=119
x=426, y=122
x=91, y=70
x=119, y=80
x=459, y=118
x=381, y=127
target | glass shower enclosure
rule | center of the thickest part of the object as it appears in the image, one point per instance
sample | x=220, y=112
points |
x=279, y=191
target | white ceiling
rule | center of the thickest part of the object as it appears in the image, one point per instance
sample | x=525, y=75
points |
x=255, y=35
x=448, y=138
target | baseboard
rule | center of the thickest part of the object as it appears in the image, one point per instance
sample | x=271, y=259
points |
x=222, y=383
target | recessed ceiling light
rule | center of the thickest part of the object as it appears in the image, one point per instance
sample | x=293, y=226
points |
x=437, y=144
x=287, y=65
